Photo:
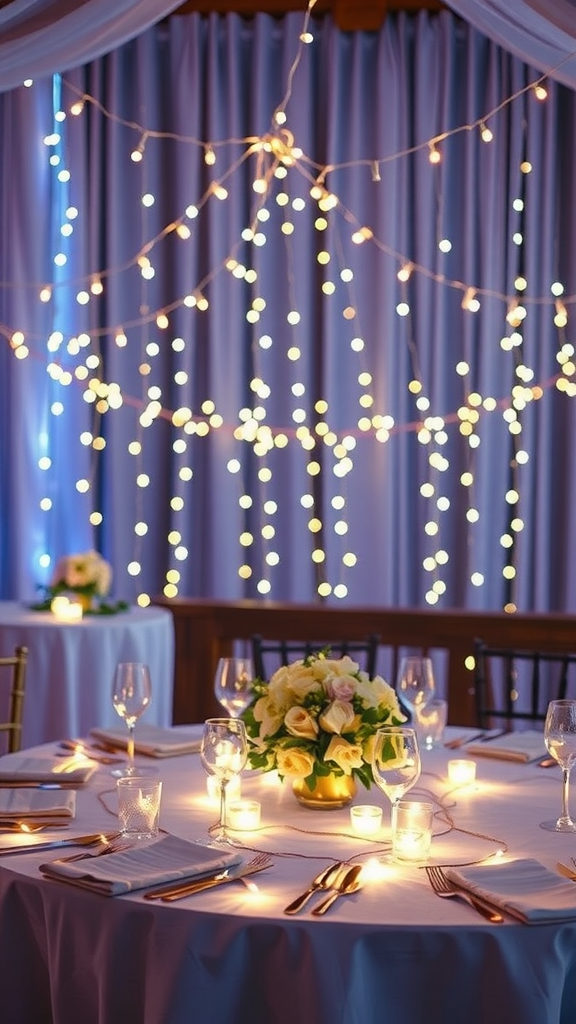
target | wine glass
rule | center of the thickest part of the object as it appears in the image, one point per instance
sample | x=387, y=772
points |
x=560, y=738
x=396, y=761
x=131, y=695
x=233, y=684
x=415, y=684
x=223, y=753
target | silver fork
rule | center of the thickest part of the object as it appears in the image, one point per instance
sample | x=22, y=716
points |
x=443, y=887
x=113, y=844
x=182, y=888
x=261, y=860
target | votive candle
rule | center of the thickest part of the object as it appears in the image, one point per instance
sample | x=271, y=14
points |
x=244, y=815
x=461, y=772
x=65, y=610
x=366, y=819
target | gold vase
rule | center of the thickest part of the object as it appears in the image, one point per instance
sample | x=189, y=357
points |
x=329, y=793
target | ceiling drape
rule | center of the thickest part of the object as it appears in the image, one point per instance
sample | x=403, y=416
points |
x=40, y=37
x=540, y=32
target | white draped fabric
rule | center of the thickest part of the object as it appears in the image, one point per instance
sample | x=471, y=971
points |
x=39, y=37
x=540, y=32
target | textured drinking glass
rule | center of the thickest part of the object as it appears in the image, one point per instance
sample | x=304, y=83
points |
x=139, y=806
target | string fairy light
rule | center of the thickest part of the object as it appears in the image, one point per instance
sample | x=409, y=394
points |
x=276, y=152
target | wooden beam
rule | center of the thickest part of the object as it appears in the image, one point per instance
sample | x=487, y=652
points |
x=349, y=15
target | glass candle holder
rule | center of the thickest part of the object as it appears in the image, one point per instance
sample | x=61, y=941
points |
x=462, y=772
x=244, y=815
x=366, y=819
x=411, y=830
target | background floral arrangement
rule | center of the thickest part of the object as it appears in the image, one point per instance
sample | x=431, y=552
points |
x=318, y=717
x=86, y=574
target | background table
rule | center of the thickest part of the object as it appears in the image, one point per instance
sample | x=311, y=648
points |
x=71, y=666
x=392, y=953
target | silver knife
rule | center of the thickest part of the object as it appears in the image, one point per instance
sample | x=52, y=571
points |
x=460, y=741
x=176, y=890
x=55, y=844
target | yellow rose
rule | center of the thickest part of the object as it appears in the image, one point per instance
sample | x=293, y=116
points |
x=299, y=723
x=296, y=763
x=338, y=717
x=346, y=755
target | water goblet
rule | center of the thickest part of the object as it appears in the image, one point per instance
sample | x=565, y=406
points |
x=223, y=753
x=396, y=762
x=415, y=685
x=131, y=695
x=233, y=684
x=560, y=739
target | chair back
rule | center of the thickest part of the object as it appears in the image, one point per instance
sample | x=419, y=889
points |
x=515, y=686
x=269, y=655
x=13, y=668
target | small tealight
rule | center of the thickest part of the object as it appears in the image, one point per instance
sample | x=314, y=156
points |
x=66, y=610
x=233, y=789
x=366, y=819
x=244, y=815
x=461, y=772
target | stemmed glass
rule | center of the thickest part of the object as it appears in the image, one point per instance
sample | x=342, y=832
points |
x=396, y=761
x=233, y=684
x=415, y=686
x=223, y=753
x=560, y=738
x=131, y=695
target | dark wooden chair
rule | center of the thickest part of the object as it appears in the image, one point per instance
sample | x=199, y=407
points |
x=15, y=666
x=513, y=686
x=269, y=655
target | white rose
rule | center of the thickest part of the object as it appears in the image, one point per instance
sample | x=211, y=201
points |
x=296, y=763
x=299, y=723
x=270, y=717
x=338, y=717
x=346, y=755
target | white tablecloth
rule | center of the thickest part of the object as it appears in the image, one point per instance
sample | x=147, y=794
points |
x=392, y=953
x=71, y=666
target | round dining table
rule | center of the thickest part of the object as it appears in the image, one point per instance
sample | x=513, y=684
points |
x=71, y=666
x=391, y=952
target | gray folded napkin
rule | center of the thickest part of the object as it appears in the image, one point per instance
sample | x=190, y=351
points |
x=37, y=803
x=167, y=859
x=19, y=767
x=154, y=740
x=525, y=889
x=513, y=746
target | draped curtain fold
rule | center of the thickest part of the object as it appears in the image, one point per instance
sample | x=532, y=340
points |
x=540, y=32
x=41, y=37
x=355, y=429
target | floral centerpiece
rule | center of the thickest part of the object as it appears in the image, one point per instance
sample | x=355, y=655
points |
x=317, y=719
x=88, y=577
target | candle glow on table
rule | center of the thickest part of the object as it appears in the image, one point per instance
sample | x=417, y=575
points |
x=411, y=830
x=65, y=610
x=461, y=772
x=244, y=815
x=366, y=819
x=233, y=789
